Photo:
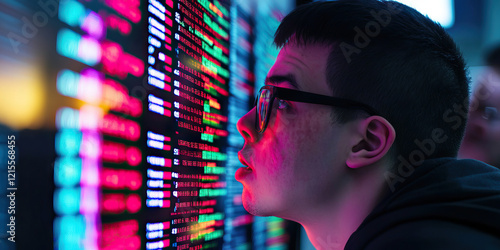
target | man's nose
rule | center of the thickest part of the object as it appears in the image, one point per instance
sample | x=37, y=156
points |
x=246, y=126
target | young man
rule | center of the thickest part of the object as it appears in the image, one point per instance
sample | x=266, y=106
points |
x=356, y=132
x=482, y=136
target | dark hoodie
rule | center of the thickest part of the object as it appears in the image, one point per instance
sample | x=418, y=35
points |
x=445, y=204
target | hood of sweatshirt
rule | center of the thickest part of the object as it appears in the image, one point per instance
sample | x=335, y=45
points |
x=463, y=192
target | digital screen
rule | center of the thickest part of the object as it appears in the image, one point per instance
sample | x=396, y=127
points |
x=99, y=170
x=141, y=100
x=186, y=123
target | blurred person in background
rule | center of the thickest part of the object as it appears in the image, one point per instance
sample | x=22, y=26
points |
x=482, y=136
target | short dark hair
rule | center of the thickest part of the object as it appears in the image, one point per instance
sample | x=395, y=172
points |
x=403, y=64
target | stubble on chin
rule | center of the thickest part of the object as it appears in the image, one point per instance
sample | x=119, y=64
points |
x=249, y=203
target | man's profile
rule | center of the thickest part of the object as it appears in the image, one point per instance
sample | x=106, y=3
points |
x=356, y=132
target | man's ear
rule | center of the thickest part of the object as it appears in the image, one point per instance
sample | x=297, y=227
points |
x=375, y=136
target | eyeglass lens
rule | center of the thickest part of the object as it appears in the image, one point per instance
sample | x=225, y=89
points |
x=262, y=108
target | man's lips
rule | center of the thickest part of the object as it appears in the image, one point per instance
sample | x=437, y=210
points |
x=243, y=161
x=243, y=173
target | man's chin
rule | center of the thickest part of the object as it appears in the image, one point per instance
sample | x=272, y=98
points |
x=250, y=204
x=258, y=208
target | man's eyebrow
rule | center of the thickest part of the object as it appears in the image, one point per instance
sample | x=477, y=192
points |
x=277, y=79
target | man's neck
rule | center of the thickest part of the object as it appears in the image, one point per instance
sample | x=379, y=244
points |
x=331, y=225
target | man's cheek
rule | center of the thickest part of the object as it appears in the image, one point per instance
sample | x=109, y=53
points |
x=308, y=125
x=275, y=162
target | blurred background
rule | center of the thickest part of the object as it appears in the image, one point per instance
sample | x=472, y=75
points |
x=118, y=118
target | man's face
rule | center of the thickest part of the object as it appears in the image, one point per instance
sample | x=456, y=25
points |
x=299, y=160
x=482, y=136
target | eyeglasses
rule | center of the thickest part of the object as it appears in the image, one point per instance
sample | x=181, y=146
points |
x=267, y=94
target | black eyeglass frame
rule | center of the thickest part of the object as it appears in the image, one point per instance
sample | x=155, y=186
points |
x=305, y=97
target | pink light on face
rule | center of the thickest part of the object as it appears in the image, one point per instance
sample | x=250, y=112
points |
x=93, y=25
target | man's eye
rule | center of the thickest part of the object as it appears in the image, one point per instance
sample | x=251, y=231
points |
x=490, y=113
x=282, y=104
